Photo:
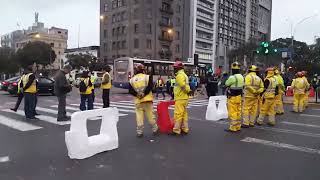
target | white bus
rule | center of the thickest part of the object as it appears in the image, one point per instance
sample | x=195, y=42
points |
x=124, y=70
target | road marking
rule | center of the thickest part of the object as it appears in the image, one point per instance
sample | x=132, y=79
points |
x=281, y=145
x=51, y=111
x=96, y=107
x=4, y=159
x=48, y=119
x=300, y=124
x=309, y=115
x=18, y=125
x=315, y=109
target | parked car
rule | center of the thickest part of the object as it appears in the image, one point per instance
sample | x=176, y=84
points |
x=45, y=86
x=5, y=84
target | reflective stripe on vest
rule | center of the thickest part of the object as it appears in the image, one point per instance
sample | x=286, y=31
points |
x=236, y=87
x=33, y=87
x=139, y=82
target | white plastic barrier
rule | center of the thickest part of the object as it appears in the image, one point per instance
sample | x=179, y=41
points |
x=80, y=146
x=214, y=113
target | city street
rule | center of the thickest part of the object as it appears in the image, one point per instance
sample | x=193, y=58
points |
x=37, y=150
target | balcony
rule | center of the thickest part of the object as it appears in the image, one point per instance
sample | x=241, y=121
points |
x=167, y=54
x=163, y=24
x=167, y=11
x=166, y=38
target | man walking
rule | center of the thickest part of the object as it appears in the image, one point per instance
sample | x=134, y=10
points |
x=61, y=88
x=29, y=92
x=106, y=86
x=140, y=87
x=20, y=95
x=181, y=97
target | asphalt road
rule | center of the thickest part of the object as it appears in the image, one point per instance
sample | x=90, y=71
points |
x=37, y=150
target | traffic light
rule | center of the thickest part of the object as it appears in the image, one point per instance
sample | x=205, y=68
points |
x=266, y=49
x=196, y=59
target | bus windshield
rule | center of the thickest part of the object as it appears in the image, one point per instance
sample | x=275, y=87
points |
x=121, y=66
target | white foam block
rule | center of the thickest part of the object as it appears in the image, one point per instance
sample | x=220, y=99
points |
x=215, y=113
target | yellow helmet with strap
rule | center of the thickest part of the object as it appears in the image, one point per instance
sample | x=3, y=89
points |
x=235, y=65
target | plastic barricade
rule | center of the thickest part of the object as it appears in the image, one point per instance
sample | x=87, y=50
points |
x=80, y=146
x=214, y=112
x=312, y=93
x=289, y=91
x=164, y=121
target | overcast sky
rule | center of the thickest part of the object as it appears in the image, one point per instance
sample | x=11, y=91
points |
x=71, y=14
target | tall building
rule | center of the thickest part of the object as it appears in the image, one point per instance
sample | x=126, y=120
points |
x=152, y=29
x=56, y=37
x=9, y=40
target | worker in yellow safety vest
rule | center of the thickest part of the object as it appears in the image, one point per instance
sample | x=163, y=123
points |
x=306, y=96
x=85, y=88
x=30, y=92
x=181, y=96
x=252, y=88
x=268, y=99
x=300, y=87
x=106, y=86
x=159, y=87
x=234, y=84
x=281, y=91
x=140, y=86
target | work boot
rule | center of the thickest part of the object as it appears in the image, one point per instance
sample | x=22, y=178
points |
x=231, y=131
x=271, y=124
x=245, y=126
x=156, y=133
x=13, y=109
x=251, y=125
x=139, y=135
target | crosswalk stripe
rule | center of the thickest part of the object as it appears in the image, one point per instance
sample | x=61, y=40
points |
x=51, y=111
x=300, y=124
x=309, y=115
x=18, y=125
x=95, y=107
x=48, y=119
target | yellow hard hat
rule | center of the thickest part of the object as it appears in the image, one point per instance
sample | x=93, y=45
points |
x=235, y=65
x=253, y=68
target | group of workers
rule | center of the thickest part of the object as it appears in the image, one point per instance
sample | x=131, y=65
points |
x=254, y=98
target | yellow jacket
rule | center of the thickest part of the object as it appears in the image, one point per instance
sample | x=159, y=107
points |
x=33, y=88
x=181, y=89
x=139, y=83
x=253, y=85
x=89, y=88
x=271, y=89
x=107, y=85
x=300, y=85
x=280, y=83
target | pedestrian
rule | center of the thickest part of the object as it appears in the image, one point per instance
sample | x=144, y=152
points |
x=268, y=98
x=181, y=97
x=61, y=88
x=223, y=87
x=140, y=86
x=300, y=87
x=315, y=84
x=234, y=86
x=93, y=79
x=172, y=84
x=85, y=88
x=159, y=87
x=211, y=84
x=29, y=92
x=19, y=93
x=193, y=84
x=306, y=95
x=281, y=91
x=253, y=86
x=106, y=86
x=168, y=83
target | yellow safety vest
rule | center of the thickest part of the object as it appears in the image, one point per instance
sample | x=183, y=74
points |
x=89, y=88
x=300, y=85
x=159, y=83
x=139, y=83
x=33, y=87
x=271, y=89
x=20, y=89
x=252, y=82
x=107, y=85
x=181, y=89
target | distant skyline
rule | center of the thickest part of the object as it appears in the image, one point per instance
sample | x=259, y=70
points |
x=70, y=14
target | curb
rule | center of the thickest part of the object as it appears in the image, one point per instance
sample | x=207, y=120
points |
x=311, y=104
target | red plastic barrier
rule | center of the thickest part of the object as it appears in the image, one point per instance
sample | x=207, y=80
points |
x=312, y=92
x=164, y=121
x=289, y=91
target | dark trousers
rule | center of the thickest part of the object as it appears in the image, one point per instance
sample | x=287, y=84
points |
x=171, y=93
x=93, y=95
x=160, y=90
x=29, y=105
x=106, y=98
x=62, y=106
x=20, y=97
x=86, y=102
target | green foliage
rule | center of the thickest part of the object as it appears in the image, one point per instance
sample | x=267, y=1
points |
x=8, y=62
x=36, y=52
x=85, y=61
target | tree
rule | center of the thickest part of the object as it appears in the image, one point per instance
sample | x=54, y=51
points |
x=85, y=61
x=246, y=51
x=36, y=52
x=8, y=62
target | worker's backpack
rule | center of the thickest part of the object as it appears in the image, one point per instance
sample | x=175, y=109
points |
x=82, y=86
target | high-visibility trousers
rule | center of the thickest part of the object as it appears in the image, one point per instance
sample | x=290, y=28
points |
x=250, y=109
x=141, y=108
x=267, y=109
x=279, y=103
x=306, y=100
x=234, y=113
x=181, y=117
x=298, y=102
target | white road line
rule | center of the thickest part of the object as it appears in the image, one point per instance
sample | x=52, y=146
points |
x=16, y=124
x=281, y=145
x=315, y=109
x=300, y=124
x=4, y=159
x=48, y=119
x=51, y=111
x=309, y=115
x=95, y=107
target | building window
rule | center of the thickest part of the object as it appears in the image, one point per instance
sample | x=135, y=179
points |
x=114, y=18
x=118, y=45
x=52, y=44
x=149, y=29
x=177, y=48
x=105, y=7
x=105, y=47
x=177, y=35
x=113, y=32
x=136, y=43
x=124, y=31
x=149, y=44
x=178, y=23
x=113, y=45
x=178, y=10
x=124, y=45
x=136, y=28
x=149, y=14
x=105, y=34
x=114, y=4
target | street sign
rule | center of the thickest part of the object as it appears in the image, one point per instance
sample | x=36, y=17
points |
x=190, y=60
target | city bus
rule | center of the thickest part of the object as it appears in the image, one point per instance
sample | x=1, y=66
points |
x=124, y=70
